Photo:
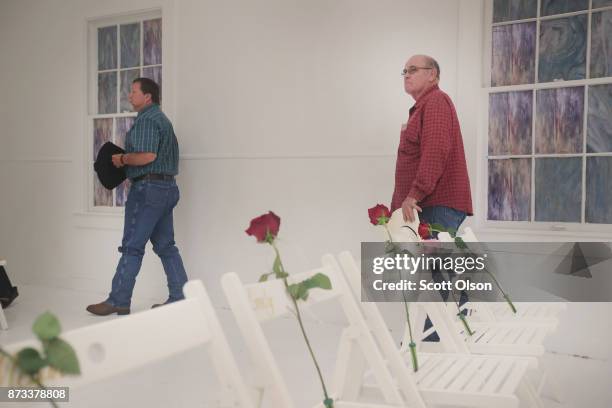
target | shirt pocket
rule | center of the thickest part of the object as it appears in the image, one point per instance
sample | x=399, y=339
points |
x=410, y=137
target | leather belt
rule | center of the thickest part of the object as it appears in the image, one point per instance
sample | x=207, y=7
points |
x=164, y=177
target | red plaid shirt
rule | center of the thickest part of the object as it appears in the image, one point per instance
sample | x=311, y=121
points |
x=431, y=163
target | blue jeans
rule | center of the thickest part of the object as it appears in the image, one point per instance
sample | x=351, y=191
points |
x=148, y=216
x=448, y=218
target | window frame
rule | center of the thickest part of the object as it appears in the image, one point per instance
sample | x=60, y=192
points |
x=91, y=104
x=577, y=229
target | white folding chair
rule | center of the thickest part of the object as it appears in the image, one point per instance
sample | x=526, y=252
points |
x=520, y=336
x=116, y=346
x=3, y=322
x=457, y=378
x=256, y=303
x=540, y=312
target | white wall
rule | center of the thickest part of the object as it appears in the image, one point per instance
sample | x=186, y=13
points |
x=291, y=106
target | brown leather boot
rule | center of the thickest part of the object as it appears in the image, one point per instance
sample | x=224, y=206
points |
x=104, y=309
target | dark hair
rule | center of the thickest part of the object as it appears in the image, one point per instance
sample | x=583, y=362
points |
x=148, y=86
x=434, y=64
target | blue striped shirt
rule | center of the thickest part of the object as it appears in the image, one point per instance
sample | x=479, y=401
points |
x=152, y=132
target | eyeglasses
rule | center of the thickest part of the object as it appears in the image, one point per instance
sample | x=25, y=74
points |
x=412, y=69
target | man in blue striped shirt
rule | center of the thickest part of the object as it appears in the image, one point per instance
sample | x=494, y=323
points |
x=151, y=162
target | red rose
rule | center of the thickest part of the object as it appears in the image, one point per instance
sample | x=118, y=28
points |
x=379, y=215
x=424, y=231
x=265, y=227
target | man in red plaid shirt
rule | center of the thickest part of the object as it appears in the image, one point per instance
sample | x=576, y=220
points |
x=431, y=173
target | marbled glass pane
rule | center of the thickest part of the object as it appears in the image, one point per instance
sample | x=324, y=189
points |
x=107, y=92
x=599, y=190
x=506, y=10
x=102, y=133
x=558, y=192
x=107, y=48
x=123, y=125
x=510, y=122
x=599, y=124
x=127, y=77
x=513, y=58
x=121, y=193
x=102, y=196
x=154, y=73
x=550, y=7
x=152, y=41
x=563, y=48
x=130, y=45
x=601, y=3
x=601, y=44
x=559, y=119
x=509, y=191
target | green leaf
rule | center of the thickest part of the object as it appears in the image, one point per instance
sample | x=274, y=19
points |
x=277, y=267
x=437, y=227
x=30, y=361
x=46, y=326
x=328, y=402
x=319, y=280
x=62, y=357
x=263, y=277
x=452, y=231
x=460, y=243
x=293, y=290
x=298, y=291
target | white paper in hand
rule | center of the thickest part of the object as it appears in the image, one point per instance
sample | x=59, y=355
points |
x=402, y=231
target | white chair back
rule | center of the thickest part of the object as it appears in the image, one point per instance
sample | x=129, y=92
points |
x=253, y=304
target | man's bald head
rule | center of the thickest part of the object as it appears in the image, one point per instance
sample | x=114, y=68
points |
x=420, y=73
x=428, y=62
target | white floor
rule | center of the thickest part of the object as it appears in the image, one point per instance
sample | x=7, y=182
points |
x=579, y=355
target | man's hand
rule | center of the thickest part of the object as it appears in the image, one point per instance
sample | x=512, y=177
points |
x=117, y=160
x=408, y=207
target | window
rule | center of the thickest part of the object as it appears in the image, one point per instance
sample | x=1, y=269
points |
x=121, y=50
x=549, y=138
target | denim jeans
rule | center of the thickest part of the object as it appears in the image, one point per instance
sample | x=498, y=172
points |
x=448, y=218
x=148, y=216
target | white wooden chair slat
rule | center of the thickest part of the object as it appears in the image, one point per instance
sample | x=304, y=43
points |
x=270, y=299
x=427, y=362
x=514, y=378
x=481, y=375
x=451, y=373
x=248, y=323
x=493, y=335
x=438, y=370
x=469, y=371
x=539, y=336
x=514, y=336
x=493, y=382
x=476, y=399
x=527, y=335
